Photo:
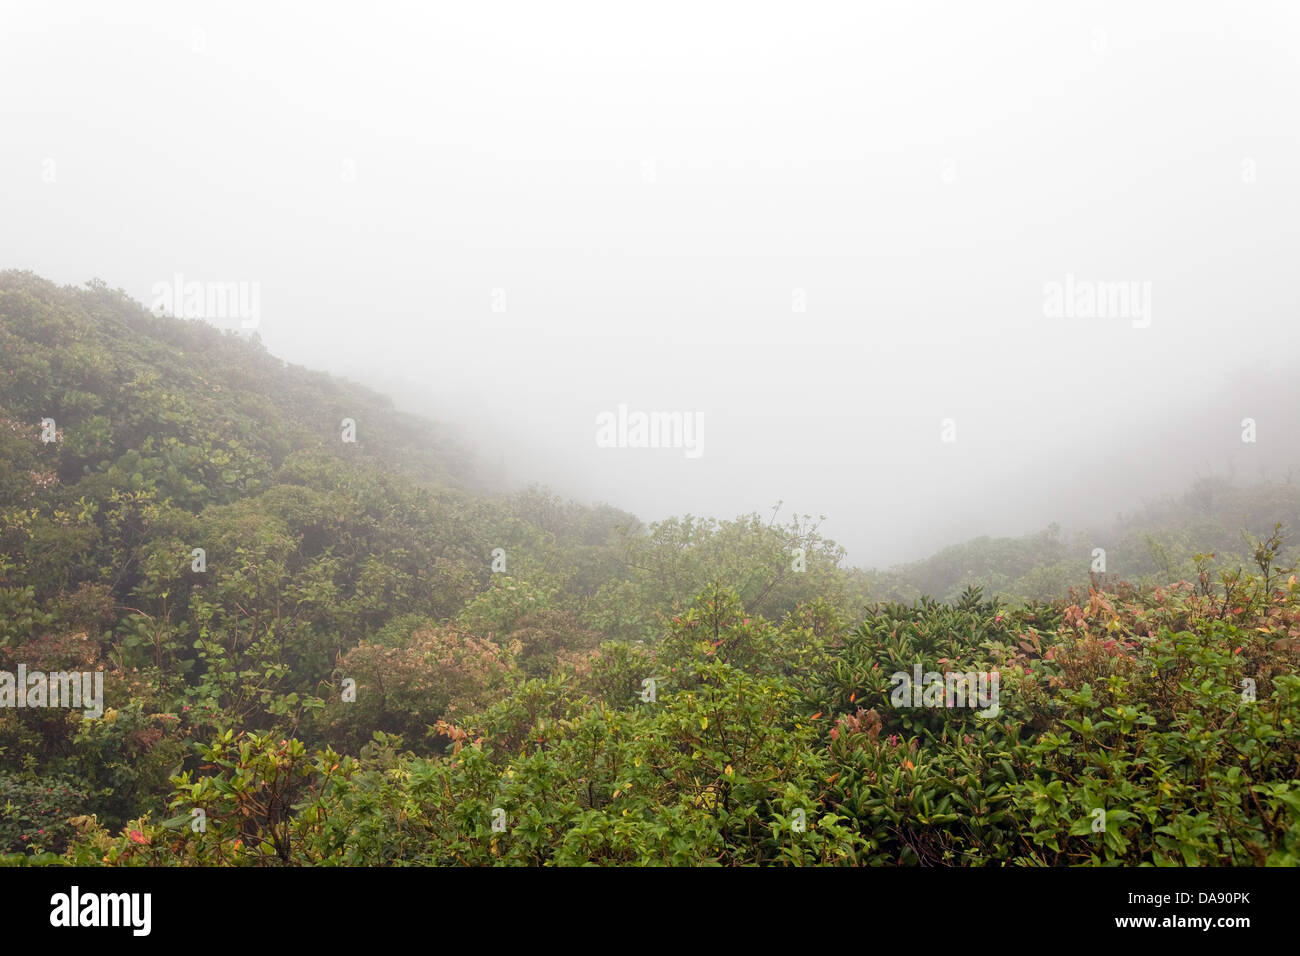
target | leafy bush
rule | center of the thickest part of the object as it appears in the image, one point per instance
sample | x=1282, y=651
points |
x=37, y=811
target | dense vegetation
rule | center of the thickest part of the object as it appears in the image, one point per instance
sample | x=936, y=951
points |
x=376, y=662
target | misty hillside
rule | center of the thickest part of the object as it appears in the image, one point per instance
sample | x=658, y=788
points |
x=160, y=403
x=1156, y=543
x=185, y=391
x=427, y=673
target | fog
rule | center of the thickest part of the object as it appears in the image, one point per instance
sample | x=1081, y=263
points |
x=817, y=230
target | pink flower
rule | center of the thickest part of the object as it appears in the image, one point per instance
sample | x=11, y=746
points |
x=138, y=837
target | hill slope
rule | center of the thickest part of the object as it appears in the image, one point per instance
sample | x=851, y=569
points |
x=284, y=619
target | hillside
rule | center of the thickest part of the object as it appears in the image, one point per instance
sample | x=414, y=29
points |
x=341, y=651
x=1156, y=544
